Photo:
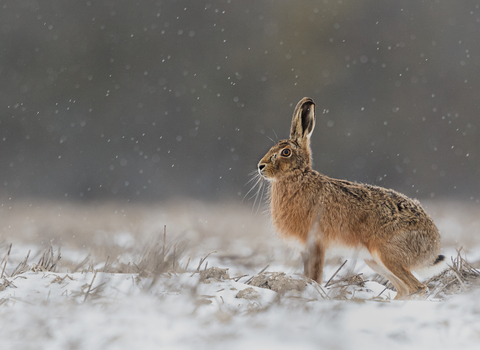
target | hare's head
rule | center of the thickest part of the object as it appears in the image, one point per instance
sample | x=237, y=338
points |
x=288, y=156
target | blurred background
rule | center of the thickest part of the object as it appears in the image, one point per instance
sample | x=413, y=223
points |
x=155, y=100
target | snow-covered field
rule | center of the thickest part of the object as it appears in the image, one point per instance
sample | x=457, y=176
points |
x=123, y=281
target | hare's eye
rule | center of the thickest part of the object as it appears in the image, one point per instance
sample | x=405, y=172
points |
x=286, y=152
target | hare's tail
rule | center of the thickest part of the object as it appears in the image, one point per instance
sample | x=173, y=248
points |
x=438, y=266
x=439, y=259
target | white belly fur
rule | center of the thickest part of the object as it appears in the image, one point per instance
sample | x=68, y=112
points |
x=345, y=252
x=334, y=250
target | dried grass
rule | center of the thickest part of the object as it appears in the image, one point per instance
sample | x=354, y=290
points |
x=6, y=283
x=460, y=277
x=159, y=258
x=5, y=260
x=48, y=261
x=22, y=267
x=155, y=258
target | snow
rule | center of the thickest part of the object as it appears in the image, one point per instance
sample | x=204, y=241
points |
x=183, y=310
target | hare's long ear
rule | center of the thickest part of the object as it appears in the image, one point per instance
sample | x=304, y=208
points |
x=303, y=121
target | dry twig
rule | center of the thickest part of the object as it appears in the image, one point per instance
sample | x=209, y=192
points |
x=201, y=262
x=6, y=260
x=251, y=278
x=90, y=286
x=328, y=282
x=22, y=267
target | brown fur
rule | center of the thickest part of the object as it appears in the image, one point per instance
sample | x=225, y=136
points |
x=324, y=213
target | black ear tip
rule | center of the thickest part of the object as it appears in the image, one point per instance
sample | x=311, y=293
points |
x=304, y=104
x=307, y=100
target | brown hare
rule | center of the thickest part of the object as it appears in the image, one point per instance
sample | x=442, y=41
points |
x=390, y=231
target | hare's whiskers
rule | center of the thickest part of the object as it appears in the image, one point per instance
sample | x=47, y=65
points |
x=261, y=192
x=258, y=184
x=257, y=178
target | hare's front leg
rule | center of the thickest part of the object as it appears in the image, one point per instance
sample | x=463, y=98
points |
x=313, y=260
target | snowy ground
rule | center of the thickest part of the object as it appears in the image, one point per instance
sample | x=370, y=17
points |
x=119, y=285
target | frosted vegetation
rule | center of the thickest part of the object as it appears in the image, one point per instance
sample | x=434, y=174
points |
x=111, y=276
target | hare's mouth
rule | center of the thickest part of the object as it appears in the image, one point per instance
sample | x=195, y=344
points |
x=264, y=176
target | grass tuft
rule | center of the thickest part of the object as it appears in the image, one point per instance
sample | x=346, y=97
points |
x=460, y=277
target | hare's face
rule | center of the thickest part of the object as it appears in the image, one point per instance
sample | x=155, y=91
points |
x=282, y=160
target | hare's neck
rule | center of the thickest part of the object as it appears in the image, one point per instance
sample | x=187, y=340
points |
x=292, y=208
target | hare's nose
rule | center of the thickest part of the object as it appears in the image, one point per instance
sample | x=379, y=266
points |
x=261, y=166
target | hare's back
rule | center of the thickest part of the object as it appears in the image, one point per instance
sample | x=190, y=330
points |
x=379, y=204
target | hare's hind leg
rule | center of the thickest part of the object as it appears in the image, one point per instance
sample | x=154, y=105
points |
x=313, y=260
x=413, y=285
x=399, y=274
x=402, y=290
